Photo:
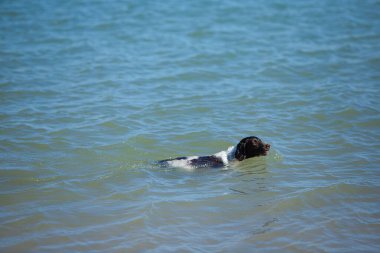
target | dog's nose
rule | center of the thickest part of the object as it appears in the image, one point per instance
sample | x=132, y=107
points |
x=267, y=147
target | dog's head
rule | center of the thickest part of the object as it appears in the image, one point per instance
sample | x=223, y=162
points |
x=251, y=147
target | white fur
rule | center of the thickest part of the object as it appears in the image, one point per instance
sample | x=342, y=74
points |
x=183, y=163
x=226, y=155
x=231, y=153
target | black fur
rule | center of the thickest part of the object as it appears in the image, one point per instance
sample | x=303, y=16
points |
x=207, y=161
x=250, y=147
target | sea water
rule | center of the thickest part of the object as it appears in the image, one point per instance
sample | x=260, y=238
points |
x=92, y=93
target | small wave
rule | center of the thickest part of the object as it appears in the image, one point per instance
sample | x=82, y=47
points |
x=324, y=196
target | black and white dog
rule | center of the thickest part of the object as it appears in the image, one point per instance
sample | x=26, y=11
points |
x=248, y=147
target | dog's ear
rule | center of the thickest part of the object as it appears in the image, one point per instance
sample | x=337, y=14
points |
x=240, y=151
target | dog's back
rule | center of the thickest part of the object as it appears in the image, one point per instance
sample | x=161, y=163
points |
x=193, y=162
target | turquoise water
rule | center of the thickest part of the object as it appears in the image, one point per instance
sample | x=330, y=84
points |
x=93, y=92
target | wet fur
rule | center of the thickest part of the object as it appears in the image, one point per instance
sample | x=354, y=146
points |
x=248, y=147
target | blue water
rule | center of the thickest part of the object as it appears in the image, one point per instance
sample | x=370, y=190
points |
x=93, y=92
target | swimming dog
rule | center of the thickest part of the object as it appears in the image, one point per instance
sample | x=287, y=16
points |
x=248, y=147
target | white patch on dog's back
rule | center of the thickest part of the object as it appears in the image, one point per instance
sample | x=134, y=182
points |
x=226, y=155
x=182, y=163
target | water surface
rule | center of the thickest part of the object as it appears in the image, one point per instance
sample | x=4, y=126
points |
x=93, y=92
